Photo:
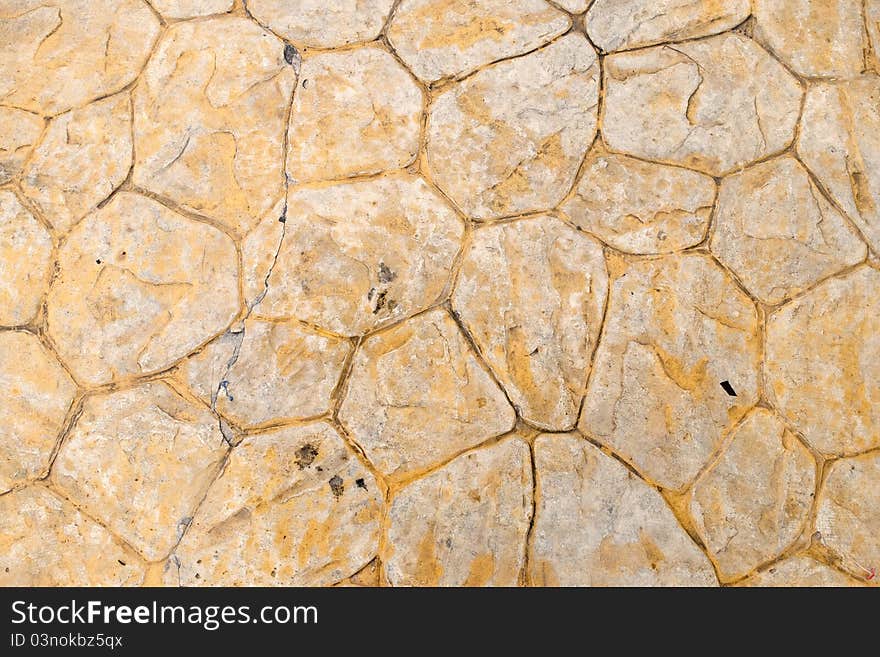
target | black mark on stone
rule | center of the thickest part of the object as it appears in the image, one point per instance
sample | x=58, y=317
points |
x=728, y=388
x=282, y=219
x=224, y=386
x=121, y=562
x=385, y=273
x=336, y=486
x=305, y=83
x=361, y=483
x=305, y=455
x=98, y=261
x=380, y=301
x=290, y=53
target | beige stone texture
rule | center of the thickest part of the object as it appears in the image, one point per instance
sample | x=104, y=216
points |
x=573, y=6
x=176, y=9
x=19, y=131
x=322, y=24
x=872, y=20
x=800, y=571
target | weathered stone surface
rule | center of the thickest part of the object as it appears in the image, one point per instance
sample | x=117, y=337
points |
x=816, y=38
x=191, y=8
x=355, y=255
x=57, y=54
x=37, y=394
x=753, y=503
x=641, y=207
x=573, y=6
x=822, y=363
x=25, y=261
x=532, y=294
x=676, y=328
x=356, y=112
x=322, y=24
x=510, y=138
x=623, y=24
x=800, y=571
x=417, y=396
x=19, y=131
x=279, y=371
x=140, y=461
x=597, y=524
x=209, y=118
x=293, y=507
x=716, y=104
x=138, y=287
x=45, y=541
x=466, y=523
x=777, y=233
x=840, y=142
x=84, y=155
x=872, y=19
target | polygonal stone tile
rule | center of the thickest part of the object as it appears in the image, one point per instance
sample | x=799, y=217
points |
x=138, y=287
x=822, y=363
x=267, y=372
x=57, y=54
x=641, y=207
x=19, y=131
x=676, y=329
x=47, y=542
x=417, y=396
x=510, y=138
x=355, y=255
x=140, y=460
x=753, y=503
x=777, y=233
x=597, y=524
x=624, y=24
x=800, y=571
x=840, y=142
x=84, y=155
x=191, y=8
x=37, y=394
x=532, y=294
x=322, y=24
x=816, y=38
x=466, y=523
x=716, y=104
x=356, y=112
x=25, y=262
x=446, y=38
x=292, y=508
x=209, y=119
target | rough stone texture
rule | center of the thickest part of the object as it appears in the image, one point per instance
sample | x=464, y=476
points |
x=597, y=524
x=417, y=396
x=466, y=523
x=37, y=394
x=641, y=207
x=753, y=503
x=777, y=233
x=676, y=327
x=293, y=508
x=58, y=54
x=191, y=8
x=140, y=461
x=822, y=363
x=356, y=112
x=322, y=24
x=716, y=104
x=19, y=131
x=624, y=24
x=450, y=38
x=872, y=18
x=800, y=571
x=532, y=294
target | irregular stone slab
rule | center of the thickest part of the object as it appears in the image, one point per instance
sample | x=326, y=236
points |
x=624, y=24
x=19, y=131
x=279, y=371
x=355, y=255
x=840, y=142
x=800, y=571
x=753, y=503
x=816, y=38
x=822, y=363
x=139, y=287
x=292, y=508
x=466, y=523
x=715, y=105
x=675, y=329
x=450, y=38
x=140, y=461
x=597, y=524
x=209, y=119
x=191, y=8
x=84, y=155
x=321, y=24
x=641, y=207
x=418, y=396
x=777, y=233
x=45, y=541
x=510, y=138
x=356, y=112
x=58, y=54
x=532, y=294
x=25, y=262
x=37, y=394
x=872, y=19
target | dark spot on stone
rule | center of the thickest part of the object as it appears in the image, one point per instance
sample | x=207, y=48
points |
x=728, y=388
x=98, y=261
x=336, y=486
x=319, y=469
x=224, y=386
x=305, y=83
x=533, y=352
x=361, y=483
x=448, y=542
x=121, y=562
x=282, y=219
x=380, y=301
x=198, y=576
x=305, y=455
x=371, y=293
x=290, y=53
x=385, y=274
